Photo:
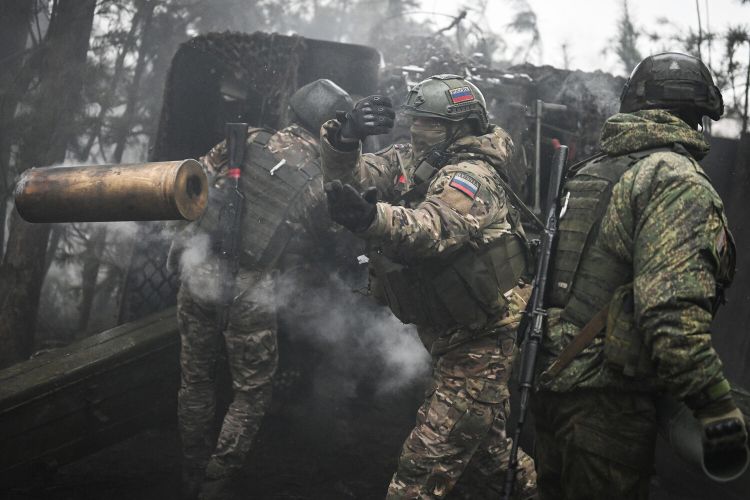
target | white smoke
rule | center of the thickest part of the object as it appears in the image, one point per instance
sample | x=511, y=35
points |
x=199, y=268
x=366, y=339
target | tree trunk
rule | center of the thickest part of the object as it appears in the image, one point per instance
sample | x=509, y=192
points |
x=117, y=76
x=62, y=63
x=146, y=10
x=89, y=276
x=15, y=16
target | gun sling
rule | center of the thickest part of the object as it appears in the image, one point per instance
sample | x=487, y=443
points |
x=582, y=340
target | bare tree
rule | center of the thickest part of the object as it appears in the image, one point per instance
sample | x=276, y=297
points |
x=735, y=38
x=626, y=43
x=59, y=74
x=15, y=21
x=145, y=16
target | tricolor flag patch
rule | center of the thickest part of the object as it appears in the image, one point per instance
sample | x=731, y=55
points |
x=465, y=183
x=461, y=94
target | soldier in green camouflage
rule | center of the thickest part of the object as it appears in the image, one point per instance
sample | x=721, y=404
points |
x=643, y=254
x=284, y=223
x=446, y=253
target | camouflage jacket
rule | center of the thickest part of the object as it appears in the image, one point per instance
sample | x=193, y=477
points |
x=312, y=234
x=667, y=223
x=465, y=203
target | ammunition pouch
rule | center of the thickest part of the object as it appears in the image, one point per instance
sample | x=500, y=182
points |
x=466, y=290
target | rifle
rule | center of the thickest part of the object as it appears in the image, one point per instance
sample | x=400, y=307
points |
x=230, y=220
x=537, y=309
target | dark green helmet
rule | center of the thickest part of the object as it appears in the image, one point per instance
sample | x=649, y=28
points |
x=317, y=102
x=449, y=97
x=672, y=81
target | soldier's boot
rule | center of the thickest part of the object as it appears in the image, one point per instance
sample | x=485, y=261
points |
x=190, y=485
x=219, y=481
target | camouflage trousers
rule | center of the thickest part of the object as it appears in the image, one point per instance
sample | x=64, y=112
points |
x=592, y=445
x=250, y=340
x=460, y=430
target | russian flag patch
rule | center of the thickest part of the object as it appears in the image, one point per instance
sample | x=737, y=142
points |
x=465, y=183
x=461, y=94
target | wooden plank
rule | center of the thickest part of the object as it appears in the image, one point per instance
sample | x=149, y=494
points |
x=71, y=402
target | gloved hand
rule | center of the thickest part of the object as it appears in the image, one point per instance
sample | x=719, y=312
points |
x=349, y=208
x=371, y=116
x=724, y=428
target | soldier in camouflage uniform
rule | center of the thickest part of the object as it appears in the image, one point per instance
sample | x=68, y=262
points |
x=446, y=253
x=644, y=249
x=284, y=224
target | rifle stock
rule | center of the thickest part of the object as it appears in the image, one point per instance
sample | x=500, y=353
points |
x=537, y=310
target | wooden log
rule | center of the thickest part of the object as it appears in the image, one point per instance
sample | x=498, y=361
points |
x=71, y=402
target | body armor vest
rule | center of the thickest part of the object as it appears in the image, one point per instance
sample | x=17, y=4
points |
x=585, y=278
x=465, y=288
x=268, y=199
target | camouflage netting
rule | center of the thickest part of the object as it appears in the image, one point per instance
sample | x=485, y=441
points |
x=432, y=53
x=219, y=76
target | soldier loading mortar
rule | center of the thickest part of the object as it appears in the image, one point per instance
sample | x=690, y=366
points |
x=278, y=188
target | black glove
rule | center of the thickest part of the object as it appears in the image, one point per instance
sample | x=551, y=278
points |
x=349, y=208
x=724, y=431
x=371, y=116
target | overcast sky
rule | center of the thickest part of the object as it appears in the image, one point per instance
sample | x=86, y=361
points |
x=586, y=26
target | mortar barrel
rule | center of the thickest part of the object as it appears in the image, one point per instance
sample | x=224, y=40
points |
x=170, y=190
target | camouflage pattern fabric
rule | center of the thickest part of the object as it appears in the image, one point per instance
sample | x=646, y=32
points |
x=250, y=337
x=446, y=219
x=461, y=428
x=665, y=219
x=590, y=445
x=463, y=421
x=596, y=426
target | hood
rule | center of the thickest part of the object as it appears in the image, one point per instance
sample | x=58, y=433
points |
x=495, y=147
x=654, y=128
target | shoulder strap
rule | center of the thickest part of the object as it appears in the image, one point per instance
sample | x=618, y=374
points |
x=260, y=136
x=590, y=330
x=581, y=341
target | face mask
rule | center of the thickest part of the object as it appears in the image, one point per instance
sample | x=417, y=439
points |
x=425, y=137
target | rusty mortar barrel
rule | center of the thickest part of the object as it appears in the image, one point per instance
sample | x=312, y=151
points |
x=169, y=190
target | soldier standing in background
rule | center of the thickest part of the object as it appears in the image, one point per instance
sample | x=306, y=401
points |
x=285, y=224
x=643, y=256
x=447, y=255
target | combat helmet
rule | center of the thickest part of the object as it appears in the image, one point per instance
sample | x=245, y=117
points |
x=672, y=81
x=317, y=102
x=449, y=97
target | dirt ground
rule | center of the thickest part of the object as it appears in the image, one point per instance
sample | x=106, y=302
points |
x=316, y=442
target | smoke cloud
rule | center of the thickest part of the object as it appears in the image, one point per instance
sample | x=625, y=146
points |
x=324, y=307
x=366, y=339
